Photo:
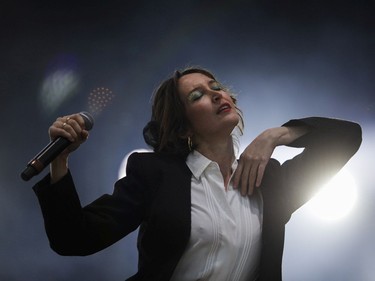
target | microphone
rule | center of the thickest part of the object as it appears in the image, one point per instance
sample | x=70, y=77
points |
x=51, y=151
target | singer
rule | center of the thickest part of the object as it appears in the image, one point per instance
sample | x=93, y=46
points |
x=203, y=213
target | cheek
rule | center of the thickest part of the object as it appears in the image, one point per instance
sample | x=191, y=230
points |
x=198, y=114
x=194, y=115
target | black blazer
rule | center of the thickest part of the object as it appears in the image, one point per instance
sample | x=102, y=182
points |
x=155, y=196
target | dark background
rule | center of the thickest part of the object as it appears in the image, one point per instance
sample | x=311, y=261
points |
x=284, y=59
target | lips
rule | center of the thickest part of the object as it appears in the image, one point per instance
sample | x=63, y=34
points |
x=224, y=108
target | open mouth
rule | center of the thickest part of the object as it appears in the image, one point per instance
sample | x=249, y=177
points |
x=224, y=108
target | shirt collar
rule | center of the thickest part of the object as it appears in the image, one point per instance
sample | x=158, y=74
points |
x=197, y=163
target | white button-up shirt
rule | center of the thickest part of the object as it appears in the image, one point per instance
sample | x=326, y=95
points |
x=225, y=239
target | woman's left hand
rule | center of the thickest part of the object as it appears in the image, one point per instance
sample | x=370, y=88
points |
x=253, y=161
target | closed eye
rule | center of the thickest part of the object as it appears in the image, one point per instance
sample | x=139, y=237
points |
x=216, y=86
x=198, y=93
x=195, y=95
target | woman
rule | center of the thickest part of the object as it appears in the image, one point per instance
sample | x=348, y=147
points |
x=202, y=214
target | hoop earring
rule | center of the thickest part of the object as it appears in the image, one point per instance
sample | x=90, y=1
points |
x=190, y=143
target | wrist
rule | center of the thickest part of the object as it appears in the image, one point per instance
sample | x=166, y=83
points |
x=289, y=134
x=277, y=136
x=58, y=169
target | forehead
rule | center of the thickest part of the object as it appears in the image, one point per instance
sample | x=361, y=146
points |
x=190, y=81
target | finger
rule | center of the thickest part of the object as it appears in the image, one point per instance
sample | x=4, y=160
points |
x=261, y=169
x=72, y=120
x=84, y=136
x=78, y=119
x=237, y=175
x=244, y=183
x=252, y=179
x=70, y=126
x=57, y=129
x=76, y=126
x=245, y=179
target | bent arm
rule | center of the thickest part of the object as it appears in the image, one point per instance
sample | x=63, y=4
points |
x=329, y=144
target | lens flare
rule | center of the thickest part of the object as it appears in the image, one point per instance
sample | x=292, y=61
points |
x=336, y=199
x=57, y=88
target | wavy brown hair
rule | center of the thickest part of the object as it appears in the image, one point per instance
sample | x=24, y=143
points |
x=166, y=132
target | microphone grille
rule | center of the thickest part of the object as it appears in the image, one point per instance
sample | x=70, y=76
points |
x=89, y=120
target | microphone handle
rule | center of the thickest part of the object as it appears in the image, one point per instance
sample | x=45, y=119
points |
x=51, y=151
x=44, y=157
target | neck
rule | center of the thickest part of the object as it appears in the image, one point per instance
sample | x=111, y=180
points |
x=221, y=152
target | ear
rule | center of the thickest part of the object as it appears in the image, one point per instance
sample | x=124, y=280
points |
x=187, y=134
x=184, y=134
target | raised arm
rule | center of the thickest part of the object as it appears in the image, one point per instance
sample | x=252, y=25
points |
x=328, y=147
x=76, y=230
x=331, y=141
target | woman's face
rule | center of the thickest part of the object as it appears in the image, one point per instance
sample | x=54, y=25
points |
x=209, y=109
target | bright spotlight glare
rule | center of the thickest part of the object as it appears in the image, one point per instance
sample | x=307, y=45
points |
x=336, y=199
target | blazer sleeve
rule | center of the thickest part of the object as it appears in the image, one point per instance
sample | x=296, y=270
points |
x=76, y=230
x=328, y=146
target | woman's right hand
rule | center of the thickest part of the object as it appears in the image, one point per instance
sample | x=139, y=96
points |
x=72, y=128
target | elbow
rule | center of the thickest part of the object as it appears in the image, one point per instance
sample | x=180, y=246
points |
x=70, y=247
x=63, y=250
x=349, y=141
x=60, y=248
x=356, y=136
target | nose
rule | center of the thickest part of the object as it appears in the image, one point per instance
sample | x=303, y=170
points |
x=216, y=96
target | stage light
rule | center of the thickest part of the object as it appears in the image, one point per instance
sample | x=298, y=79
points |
x=58, y=87
x=336, y=199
